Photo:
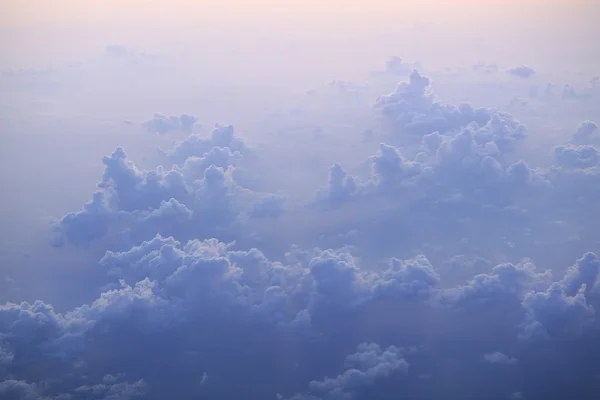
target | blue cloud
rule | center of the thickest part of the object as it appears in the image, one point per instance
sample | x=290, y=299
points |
x=200, y=197
x=167, y=288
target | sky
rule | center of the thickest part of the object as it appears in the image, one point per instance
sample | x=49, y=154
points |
x=298, y=200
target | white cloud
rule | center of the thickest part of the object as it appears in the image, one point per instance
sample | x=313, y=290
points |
x=499, y=358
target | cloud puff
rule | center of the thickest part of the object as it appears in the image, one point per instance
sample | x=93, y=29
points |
x=585, y=133
x=523, y=72
x=198, y=197
x=341, y=188
x=19, y=390
x=565, y=309
x=222, y=136
x=412, y=110
x=469, y=160
x=163, y=124
x=365, y=366
x=499, y=358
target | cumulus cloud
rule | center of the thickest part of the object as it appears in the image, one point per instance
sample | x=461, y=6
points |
x=316, y=302
x=411, y=109
x=222, y=136
x=461, y=166
x=186, y=284
x=200, y=193
x=365, y=366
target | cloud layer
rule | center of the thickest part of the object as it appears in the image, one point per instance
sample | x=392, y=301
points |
x=436, y=261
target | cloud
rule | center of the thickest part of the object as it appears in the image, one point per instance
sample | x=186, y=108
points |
x=523, y=72
x=563, y=310
x=365, y=366
x=19, y=390
x=83, y=226
x=201, y=194
x=471, y=180
x=571, y=156
x=470, y=163
x=317, y=306
x=341, y=188
x=415, y=277
x=585, y=133
x=411, y=109
x=222, y=136
x=162, y=124
x=499, y=358
x=109, y=389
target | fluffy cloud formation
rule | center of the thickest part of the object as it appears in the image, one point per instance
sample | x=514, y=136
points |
x=411, y=109
x=365, y=366
x=166, y=287
x=470, y=179
x=319, y=304
x=222, y=136
x=198, y=197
